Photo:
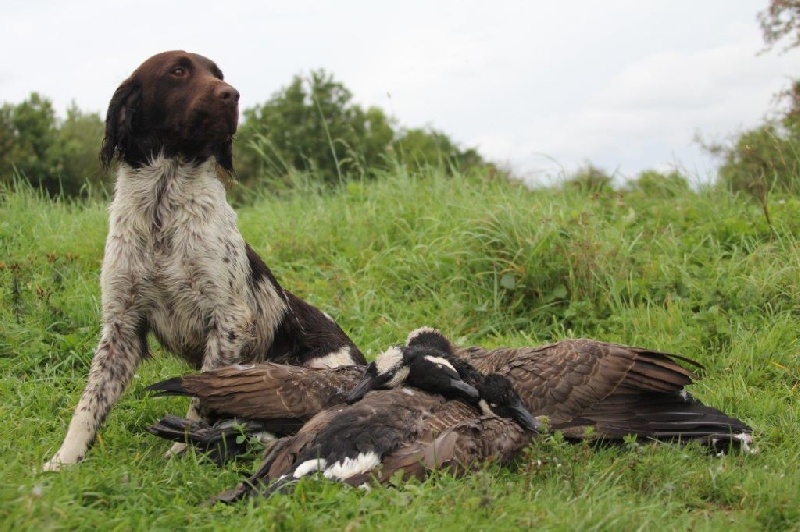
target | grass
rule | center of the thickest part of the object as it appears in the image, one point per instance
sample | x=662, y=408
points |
x=695, y=272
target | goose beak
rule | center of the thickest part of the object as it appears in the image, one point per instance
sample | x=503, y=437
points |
x=525, y=419
x=360, y=390
x=462, y=389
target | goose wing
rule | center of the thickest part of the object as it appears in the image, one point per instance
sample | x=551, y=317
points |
x=663, y=416
x=221, y=441
x=565, y=379
x=264, y=391
x=617, y=390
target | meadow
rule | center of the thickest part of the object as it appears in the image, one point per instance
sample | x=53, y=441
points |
x=699, y=272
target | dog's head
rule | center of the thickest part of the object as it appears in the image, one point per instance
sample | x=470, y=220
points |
x=176, y=103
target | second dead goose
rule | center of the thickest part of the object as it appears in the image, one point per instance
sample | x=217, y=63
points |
x=616, y=390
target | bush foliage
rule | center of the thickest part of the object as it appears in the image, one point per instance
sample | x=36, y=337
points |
x=309, y=131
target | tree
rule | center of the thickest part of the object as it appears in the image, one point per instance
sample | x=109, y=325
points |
x=377, y=134
x=7, y=141
x=418, y=148
x=312, y=125
x=781, y=19
x=589, y=178
x=29, y=132
x=762, y=160
x=75, y=151
x=58, y=156
x=767, y=158
x=653, y=183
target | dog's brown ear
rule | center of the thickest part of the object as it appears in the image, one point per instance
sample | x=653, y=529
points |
x=119, y=121
x=224, y=155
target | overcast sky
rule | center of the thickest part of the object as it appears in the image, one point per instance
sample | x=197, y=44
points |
x=540, y=86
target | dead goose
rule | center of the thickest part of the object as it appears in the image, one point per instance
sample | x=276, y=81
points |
x=347, y=443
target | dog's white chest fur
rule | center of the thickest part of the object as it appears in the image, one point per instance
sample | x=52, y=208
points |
x=174, y=253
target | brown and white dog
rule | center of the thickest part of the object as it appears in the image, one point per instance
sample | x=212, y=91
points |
x=175, y=263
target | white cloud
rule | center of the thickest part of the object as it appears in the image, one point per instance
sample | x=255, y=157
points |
x=623, y=83
x=649, y=113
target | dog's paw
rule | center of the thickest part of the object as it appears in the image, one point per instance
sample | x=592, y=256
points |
x=67, y=455
x=54, y=465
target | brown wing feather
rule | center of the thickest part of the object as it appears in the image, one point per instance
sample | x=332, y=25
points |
x=404, y=416
x=458, y=449
x=271, y=391
x=567, y=378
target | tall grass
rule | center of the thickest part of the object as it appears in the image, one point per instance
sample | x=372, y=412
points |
x=489, y=262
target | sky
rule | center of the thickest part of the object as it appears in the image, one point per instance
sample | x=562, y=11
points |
x=540, y=87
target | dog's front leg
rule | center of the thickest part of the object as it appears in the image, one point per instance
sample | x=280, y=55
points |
x=223, y=347
x=122, y=345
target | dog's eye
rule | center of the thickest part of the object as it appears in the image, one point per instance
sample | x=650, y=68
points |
x=179, y=72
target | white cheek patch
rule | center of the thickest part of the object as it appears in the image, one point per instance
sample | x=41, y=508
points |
x=342, y=357
x=399, y=377
x=417, y=332
x=388, y=360
x=309, y=466
x=441, y=361
x=353, y=466
x=485, y=408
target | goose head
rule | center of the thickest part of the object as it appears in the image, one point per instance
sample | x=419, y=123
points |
x=428, y=362
x=499, y=398
x=422, y=367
